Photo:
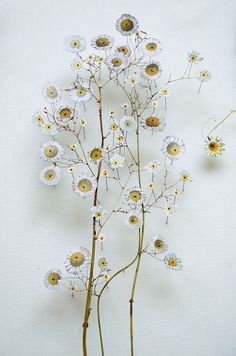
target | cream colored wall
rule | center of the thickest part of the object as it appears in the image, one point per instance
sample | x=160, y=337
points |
x=191, y=313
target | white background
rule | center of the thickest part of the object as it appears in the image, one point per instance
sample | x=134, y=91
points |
x=191, y=313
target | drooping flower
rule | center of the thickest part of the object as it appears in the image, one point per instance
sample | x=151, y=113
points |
x=53, y=278
x=173, y=147
x=51, y=151
x=84, y=185
x=50, y=175
x=102, y=42
x=194, y=57
x=135, y=196
x=158, y=244
x=153, y=123
x=117, y=161
x=153, y=167
x=75, y=44
x=51, y=93
x=116, y=61
x=173, y=262
x=81, y=93
x=77, y=259
x=214, y=146
x=128, y=123
x=151, y=47
x=133, y=220
x=98, y=212
x=151, y=70
x=127, y=25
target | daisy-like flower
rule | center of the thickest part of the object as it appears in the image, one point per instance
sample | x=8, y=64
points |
x=133, y=80
x=177, y=193
x=120, y=140
x=173, y=262
x=158, y=244
x=173, y=147
x=81, y=94
x=73, y=147
x=214, y=146
x=96, y=155
x=153, y=123
x=49, y=129
x=151, y=47
x=170, y=209
x=76, y=259
x=185, y=176
x=155, y=104
x=105, y=173
x=135, y=196
x=85, y=185
x=102, y=262
x=112, y=113
x=53, y=278
x=117, y=61
x=125, y=49
x=125, y=106
x=127, y=25
x=38, y=119
x=133, y=220
x=71, y=169
x=98, y=212
x=75, y=44
x=105, y=276
x=76, y=65
x=64, y=114
x=153, y=167
x=102, y=42
x=73, y=288
x=204, y=75
x=51, y=151
x=117, y=161
x=128, y=123
x=101, y=237
x=151, y=70
x=113, y=126
x=83, y=122
x=194, y=57
x=151, y=186
x=165, y=92
x=50, y=175
x=51, y=93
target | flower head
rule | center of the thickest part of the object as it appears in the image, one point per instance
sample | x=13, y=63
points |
x=151, y=47
x=96, y=155
x=151, y=70
x=102, y=42
x=76, y=259
x=75, y=44
x=128, y=123
x=194, y=57
x=173, y=262
x=117, y=61
x=51, y=93
x=214, y=146
x=165, y=92
x=51, y=151
x=133, y=80
x=102, y=262
x=127, y=25
x=135, y=196
x=158, y=244
x=125, y=49
x=50, y=175
x=117, y=161
x=85, y=185
x=153, y=123
x=76, y=65
x=153, y=166
x=185, y=176
x=64, y=114
x=81, y=93
x=204, y=75
x=133, y=220
x=38, y=119
x=173, y=147
x=98, y=212
x=170, y=209
x=52, y=279
x=49, y=129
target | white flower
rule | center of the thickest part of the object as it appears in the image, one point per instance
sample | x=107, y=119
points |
x=39, y=119
x=214, y=146
x=75, y=44
x=165, y=92
x=52, y=279
x=85, y=185
x=133, y=220
x=127, y=25
x=96, y=155
x=133, y=80
x=128, y=123
x=151, y=70
x=185, y=176
x=173, y=147
x=77, y=259
x=173, y=262
x=117, y=161
x=125, y=49
x=158, y=244
x=98, y=212
x=102, y=42
x=125, y=106
x=135, y=196
x=51, y=93
x=77, y=65
x=151, y=47
x=64, y=114
x=51, y=151
x=49, y=129
x=153, y=123
x=81, y=93
x=50, y=175
x=153, y=166
x=155, y=104
x=116, y=61
x=194, y=57
x=204, y=75
x=170, y=209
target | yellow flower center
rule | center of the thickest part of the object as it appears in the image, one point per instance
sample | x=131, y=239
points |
x=51, y=92
x=204, y=74
x=53, y=278
x=50, y=174
x=123, y=49
x=75, y=43
x=214, y=146
x=133, y=220
x=153, y=165
x=164, y=91
x=172, y=262
x=153, y=121
x=173, y=149
x=102, y=42
x=193, y=57
x=152, y=69
x=48, y=126
x=135, y=195
x=77, y=259
x=84, y=185
x=116, y=62
x=158, y=244
x=50, y=151
x=96, y=154
x=113, y=126
x=81, y=91
x=151, y=46
x=185, y=177
x=65, y=113
x=127, y=25
x=39, y=119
